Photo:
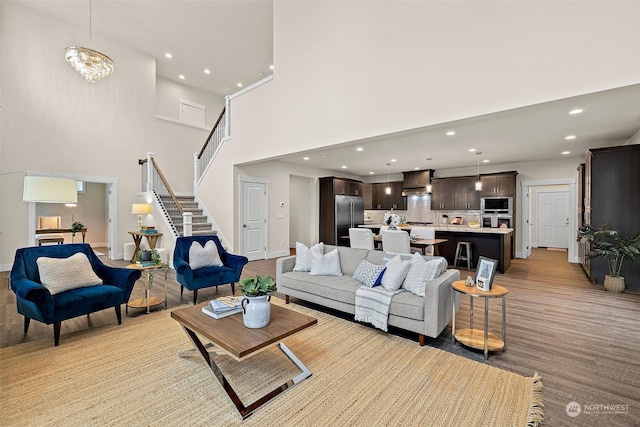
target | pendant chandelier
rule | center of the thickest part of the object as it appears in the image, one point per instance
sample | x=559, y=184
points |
x=387, y=190
x=90, y=64
x=478, y=182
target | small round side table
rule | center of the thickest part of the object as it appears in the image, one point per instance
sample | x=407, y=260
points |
x=480, y=339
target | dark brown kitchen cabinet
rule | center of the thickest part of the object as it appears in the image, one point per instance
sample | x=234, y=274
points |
x=498, y=185
x=611, y=177
x=367, y=194
x=466, y=196
x=383, y=201
x=417, y=179
x=347, y=187
x=442, y=194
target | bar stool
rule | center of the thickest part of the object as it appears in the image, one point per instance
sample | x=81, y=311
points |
x=467, y=254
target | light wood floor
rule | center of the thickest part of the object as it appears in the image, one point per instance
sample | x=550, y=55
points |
x=582, y=340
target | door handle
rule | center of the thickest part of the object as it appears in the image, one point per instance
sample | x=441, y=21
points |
x=244, y=225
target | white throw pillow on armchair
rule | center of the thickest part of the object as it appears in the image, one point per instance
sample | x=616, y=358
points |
x=206, y=256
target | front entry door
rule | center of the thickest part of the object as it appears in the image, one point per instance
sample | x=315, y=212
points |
x=553, y=219
x=254, y=220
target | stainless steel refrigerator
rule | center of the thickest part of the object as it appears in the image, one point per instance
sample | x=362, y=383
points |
x=349, y=212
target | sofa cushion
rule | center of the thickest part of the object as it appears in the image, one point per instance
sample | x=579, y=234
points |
x=408, y=305
x=369, y=274
x=325, y=264
x=338, y=288
x=420, y=272
x=443, y=261
x=349, y=257
x=206, y=256
x=303, y=256
x=394, y=273
x=62, y=274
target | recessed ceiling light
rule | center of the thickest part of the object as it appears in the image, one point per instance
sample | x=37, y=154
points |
x=394, y=160
x=450, y=133
x=343, y=166
x=371, y=173
x=359, y=149
x=305, y=158
x=570, y=137
x=181, y=77
x=207, y=71
x=416, y=168
x=239, y=85
x=485, y=161
x=564, y=153
x=471, y=150
x=271, y=67
x=576, y=111
x=168, y=55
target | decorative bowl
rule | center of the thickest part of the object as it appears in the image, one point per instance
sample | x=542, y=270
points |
x=474, y=224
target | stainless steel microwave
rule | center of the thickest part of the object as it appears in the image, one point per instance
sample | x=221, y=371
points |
x=496, y=205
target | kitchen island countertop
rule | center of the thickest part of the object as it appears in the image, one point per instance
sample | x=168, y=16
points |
x=450, y=227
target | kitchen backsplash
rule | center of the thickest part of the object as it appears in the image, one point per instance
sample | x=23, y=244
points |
x=419, y=210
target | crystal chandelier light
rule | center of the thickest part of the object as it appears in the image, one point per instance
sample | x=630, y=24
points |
x=90, y=64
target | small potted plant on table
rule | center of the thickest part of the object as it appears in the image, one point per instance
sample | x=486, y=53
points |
x=614, y=248
x=256, y=309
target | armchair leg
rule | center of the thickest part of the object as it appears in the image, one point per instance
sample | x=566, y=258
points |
x=181, y=291
x=233, y=289
x=195, y=296
x=27, y=320
x=56, y=333
x=118, y=314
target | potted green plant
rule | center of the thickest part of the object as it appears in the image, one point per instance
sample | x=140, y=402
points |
x=256, y=310
x=614, y=248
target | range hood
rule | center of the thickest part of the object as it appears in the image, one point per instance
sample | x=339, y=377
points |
x=415, y=192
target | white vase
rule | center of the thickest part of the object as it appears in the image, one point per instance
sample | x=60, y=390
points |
x=256, y=312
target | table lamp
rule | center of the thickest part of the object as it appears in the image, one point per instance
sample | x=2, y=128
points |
x=140, y=209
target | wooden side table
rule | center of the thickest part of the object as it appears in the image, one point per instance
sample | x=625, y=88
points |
x=148, y=301
x=480, y=339
x=152, y=239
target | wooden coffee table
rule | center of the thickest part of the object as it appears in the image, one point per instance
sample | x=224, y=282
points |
x=231, y=336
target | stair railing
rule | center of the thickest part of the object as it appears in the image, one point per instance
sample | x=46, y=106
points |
x=153, y=180
x=213, y=142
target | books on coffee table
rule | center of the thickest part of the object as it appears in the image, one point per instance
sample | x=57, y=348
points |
x=219, y=315
x=226, y=303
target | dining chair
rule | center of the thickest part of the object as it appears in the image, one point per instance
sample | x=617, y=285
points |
x=396, y=241
x=428, y=233
x=49, y=222
x=361, y=238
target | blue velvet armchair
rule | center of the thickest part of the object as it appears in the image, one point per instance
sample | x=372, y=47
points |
x=34, y=301
x=205, y=277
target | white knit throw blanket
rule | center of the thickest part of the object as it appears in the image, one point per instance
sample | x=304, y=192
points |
x=372, y=305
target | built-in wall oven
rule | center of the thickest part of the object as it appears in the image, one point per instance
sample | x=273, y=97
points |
x=497, y=212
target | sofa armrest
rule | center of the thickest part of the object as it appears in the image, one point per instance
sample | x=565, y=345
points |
x=284, y=265
x=438, y=302
x=117, y=276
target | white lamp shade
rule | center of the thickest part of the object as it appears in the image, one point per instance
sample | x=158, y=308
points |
x=140, y=209
x=45, y=189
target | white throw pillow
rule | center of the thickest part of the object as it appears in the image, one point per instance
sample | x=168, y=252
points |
x=420, y=272
x=394, y=274
x=303, y=256
x=206, y=256
x=325, y=265
x=61, y=274
x=368, y=273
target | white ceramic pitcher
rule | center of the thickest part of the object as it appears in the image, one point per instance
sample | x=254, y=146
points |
x=256, y=312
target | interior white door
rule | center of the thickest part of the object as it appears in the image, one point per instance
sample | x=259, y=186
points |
x=254, y=220
x=553, y=219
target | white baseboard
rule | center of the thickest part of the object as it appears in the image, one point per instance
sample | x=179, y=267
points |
x=279, y=254
x=5, y=267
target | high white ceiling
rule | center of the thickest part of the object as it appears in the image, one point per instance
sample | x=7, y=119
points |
x=234, y=40
x=231, y=38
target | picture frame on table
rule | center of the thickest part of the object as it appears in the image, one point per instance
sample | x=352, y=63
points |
x=485, y=272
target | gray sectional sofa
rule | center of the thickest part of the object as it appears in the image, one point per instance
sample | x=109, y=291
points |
x=426, y=316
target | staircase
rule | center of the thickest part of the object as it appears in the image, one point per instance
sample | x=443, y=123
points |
x=200, y=226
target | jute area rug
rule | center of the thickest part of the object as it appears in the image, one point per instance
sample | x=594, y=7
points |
x=135, y=375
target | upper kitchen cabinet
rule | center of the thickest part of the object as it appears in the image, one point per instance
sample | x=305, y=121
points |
x=417, y=179
x=466, y=196
x=443, y=194
x=347, y=187
x=367, y=194
x=383, y=201
x=499, y=185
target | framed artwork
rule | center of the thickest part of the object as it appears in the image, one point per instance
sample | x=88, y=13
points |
x=485, y=272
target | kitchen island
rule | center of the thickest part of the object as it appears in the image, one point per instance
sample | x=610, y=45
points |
x=495, y=243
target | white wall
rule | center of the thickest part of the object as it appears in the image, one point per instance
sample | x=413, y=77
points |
x=55, y=121
x=352, y=70
x=303, y=210
x=168, y=94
